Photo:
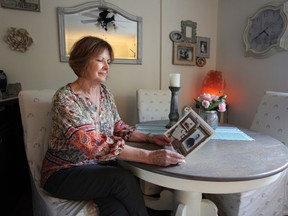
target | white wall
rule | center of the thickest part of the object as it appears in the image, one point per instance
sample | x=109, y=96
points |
x=40, y=68
x=247, y=77
x=204, y=13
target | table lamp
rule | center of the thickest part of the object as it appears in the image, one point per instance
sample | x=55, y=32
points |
x=214, y=83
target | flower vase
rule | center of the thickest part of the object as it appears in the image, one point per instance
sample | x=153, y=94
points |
x=210, y=117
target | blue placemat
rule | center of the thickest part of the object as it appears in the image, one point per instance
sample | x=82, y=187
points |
x=152, y=128
x=222, y=132
x=230, y=133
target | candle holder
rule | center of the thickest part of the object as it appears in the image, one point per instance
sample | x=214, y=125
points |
x=173, y=115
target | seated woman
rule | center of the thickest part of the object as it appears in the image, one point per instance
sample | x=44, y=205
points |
x=88, y=136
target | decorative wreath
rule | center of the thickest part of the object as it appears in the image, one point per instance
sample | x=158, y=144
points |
x=18, y=39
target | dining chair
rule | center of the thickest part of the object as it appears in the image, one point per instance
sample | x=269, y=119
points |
x=35, y=106
x=271, y=118
x=154, y=104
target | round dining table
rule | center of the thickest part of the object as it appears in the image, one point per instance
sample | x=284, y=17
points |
x=218, y=167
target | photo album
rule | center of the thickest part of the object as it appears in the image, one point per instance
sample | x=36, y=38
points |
x=189, y=133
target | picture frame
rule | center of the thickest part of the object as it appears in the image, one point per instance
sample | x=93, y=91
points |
x=203, y=47
x=200, y=61
x=28, y=5
x=190, y=133
x=176, y=36
x=184, y=53
x=189, y=31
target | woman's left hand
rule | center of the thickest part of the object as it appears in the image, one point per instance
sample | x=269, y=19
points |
x=160, y=139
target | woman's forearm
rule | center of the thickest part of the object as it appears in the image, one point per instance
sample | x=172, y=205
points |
x=138, y=136
x=161, y=157
x=135, y=154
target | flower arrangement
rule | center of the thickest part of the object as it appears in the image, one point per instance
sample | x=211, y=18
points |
x=210, y=102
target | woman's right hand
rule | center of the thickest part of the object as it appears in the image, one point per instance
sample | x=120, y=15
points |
x=164, y=157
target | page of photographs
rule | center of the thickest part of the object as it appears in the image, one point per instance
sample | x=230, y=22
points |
x=189, y=133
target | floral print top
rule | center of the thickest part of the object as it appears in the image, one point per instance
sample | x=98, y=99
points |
x=81, y=134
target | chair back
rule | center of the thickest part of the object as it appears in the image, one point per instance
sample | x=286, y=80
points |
x=35, y=109
x=272, y=116
x=153, y=104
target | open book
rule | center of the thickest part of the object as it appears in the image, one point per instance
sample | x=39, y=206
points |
x=189, y=133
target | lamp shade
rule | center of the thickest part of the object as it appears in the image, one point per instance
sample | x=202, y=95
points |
x=214, y=83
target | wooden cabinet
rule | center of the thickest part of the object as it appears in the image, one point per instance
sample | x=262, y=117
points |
x=15, y=182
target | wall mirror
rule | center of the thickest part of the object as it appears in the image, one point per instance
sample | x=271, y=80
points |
x=105, y=20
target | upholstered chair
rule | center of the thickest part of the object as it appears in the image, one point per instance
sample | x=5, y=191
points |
x=153, y=104
x=272, y=200
x=35, y=108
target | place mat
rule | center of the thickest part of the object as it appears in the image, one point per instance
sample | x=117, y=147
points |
x=152, y=128
x=230, y=133
x=222, y=132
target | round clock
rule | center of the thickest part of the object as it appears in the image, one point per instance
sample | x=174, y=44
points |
x=266, y=31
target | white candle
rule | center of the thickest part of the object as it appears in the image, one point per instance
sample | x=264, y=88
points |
x=175, y=80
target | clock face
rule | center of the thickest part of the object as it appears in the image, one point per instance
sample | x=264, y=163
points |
x=265, y=30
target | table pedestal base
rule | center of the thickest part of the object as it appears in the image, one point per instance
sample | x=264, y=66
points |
x=191, y=203
x=164, y=202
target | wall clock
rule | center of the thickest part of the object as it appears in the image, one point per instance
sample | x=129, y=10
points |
x=266, y=31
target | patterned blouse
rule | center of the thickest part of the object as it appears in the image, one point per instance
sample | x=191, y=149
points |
x=81, y=134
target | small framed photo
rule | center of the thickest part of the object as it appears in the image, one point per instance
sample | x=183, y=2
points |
x=176, y=36
x=203, y=47
x=28, y=5
x=189, y=31
x=184, y=53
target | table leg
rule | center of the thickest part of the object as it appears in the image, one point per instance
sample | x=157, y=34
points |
x=190, y=203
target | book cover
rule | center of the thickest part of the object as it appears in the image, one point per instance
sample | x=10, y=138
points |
x=189, y=133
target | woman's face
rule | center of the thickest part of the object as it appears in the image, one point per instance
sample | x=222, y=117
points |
x=98, y=66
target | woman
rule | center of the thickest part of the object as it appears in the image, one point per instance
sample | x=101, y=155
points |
x=88, y=136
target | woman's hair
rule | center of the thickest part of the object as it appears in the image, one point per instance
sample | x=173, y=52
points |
x=86, y=48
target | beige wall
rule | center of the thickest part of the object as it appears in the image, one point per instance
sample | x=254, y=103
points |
x=247, y=77
x=40, y=68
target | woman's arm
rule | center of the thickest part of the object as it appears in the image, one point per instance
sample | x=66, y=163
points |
x=160, y=157
x=159, y=139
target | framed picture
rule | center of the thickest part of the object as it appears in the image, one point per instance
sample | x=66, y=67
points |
x=184, y=53
x=28, y=5
x=203, y=47
x=176, y=36
x=189, y=31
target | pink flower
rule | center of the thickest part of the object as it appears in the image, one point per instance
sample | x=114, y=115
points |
x=205, y=103
x=209, y=102
x=207, y=97
x=222, y=107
